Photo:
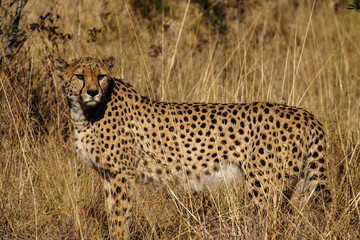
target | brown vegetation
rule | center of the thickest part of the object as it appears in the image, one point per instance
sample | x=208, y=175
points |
x=302, y=53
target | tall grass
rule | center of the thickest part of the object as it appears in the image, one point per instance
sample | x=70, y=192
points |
x=303, y=53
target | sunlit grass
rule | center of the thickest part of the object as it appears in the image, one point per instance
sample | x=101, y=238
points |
x=304, y=55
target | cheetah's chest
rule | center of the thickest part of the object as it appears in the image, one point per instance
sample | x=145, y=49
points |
x=83, y=148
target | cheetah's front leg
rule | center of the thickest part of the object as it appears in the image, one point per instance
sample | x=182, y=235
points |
x=117, y=193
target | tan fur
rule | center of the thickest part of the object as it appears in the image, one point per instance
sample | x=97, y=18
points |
x=130, y=139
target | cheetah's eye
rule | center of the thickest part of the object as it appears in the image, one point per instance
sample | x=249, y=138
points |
x=101, y=77
x=80, y=77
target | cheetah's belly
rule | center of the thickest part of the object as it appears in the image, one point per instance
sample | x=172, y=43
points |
x=227, y=174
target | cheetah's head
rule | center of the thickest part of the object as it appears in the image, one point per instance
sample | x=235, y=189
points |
x=85, y=80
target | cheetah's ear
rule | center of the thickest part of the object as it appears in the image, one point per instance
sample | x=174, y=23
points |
x=109, y=61
x=60, y=65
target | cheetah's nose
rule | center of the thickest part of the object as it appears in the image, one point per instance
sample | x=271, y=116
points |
x=92, y=93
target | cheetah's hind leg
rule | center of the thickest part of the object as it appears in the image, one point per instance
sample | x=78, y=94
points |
x=313, y=184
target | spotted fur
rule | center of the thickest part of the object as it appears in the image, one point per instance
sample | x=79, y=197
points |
x=130, y=139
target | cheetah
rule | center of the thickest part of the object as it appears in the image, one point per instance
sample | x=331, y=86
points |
x=129, y=139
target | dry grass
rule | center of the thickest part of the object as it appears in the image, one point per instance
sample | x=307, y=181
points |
x=300, y=54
